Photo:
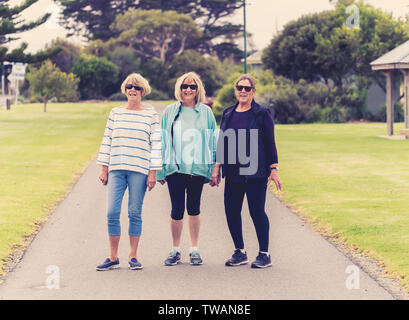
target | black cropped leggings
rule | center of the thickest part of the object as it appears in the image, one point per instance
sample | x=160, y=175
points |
x=184, y=188
x=255, y=190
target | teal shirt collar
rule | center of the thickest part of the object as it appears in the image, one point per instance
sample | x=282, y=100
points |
x=196, y=107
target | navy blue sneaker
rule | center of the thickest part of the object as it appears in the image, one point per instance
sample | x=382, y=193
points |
x=263, y=260
x=134, y=264
x=108, y=265
x=238, y=258
x=173, y=258
x=195, y=259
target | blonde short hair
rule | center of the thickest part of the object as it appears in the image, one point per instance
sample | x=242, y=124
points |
x=200, y=92
x=137, y=80
x=248, y=77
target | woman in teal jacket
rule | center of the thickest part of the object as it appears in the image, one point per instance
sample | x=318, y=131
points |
x=189, y=138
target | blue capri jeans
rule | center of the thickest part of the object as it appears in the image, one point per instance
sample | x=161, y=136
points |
x=118, y=181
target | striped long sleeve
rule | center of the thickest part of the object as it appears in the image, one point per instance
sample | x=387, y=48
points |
x=155, y=144
x=105, y=149
x=131, y=141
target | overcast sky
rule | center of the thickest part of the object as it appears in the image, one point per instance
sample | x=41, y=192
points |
x=264, y=18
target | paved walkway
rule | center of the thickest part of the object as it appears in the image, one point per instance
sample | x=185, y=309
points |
x=60, y=262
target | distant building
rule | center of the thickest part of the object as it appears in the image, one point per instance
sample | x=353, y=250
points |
x=396, y=60
x=254, y=61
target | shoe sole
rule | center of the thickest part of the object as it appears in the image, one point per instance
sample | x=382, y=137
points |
x=107, y=269
x=135, y=268
x=172, y=264
x=196, y=263
x=236, y=264
x=261, y=267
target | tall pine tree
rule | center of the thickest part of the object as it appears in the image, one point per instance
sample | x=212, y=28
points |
x=12, y=24
x=93, y=18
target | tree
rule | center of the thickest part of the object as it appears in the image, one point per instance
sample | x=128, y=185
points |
x=69, y=53
x=98, y=77
x=93, y=17
x=378, y=34
x=126, y=60
x=208, y=15
x=48, y=81
x=293, y=52
x=155, y=34
x=211, y=70
x=321, y=46
x=11, y=23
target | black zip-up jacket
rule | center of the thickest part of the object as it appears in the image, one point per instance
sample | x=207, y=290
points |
x=261, y=120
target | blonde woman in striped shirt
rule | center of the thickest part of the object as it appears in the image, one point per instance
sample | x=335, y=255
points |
x=130, y=155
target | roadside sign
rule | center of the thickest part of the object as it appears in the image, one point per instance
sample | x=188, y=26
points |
x=18, y=71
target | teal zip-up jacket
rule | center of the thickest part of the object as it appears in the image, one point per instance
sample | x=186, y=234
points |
x=206, y=126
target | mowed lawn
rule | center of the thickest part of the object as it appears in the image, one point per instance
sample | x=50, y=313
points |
x=350, y=183
x=41, y=156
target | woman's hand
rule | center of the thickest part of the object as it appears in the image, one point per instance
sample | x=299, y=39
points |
x=104, y=175
x=276, y=178
x=162, y=182
x=215, y=176
x=151, y=180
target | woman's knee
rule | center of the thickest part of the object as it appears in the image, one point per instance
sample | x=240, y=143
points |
x=177, y=214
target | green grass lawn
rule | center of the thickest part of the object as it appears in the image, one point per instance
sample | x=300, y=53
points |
x=41, y=155
x=349, y=182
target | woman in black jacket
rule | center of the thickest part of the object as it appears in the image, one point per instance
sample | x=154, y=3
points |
x=247, y=157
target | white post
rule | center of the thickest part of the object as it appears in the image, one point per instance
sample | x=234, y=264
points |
x=16, y=99
x=406, y=91
x=389, y=102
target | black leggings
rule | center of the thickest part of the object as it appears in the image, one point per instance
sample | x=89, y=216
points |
x=180, y=184
x=255, y=190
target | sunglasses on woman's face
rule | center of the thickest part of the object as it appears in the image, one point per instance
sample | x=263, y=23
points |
x=191, y=86
x=240, y=88
x=129, y=86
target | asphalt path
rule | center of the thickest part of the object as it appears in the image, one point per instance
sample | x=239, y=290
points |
x=60, y=262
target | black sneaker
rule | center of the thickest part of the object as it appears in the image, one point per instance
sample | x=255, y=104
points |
x=195, y=258
x=238, y=258
x=263, y=260
x=173, y=258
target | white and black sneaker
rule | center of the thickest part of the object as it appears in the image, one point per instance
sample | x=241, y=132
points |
x=263, y=260
x=238, y=258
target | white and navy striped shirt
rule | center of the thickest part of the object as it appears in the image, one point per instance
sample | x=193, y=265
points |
x=132, y=140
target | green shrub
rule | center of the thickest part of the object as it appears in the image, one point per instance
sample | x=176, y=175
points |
x=333, y=114
x=313, y=114
x=225, y=96
x=397, y=110
x=98, y=77
x=126, y=60
x=49, y=81
x=119, y=96
x=157, y=73
x=312, y=102
x=211, y=70
x=157, y=95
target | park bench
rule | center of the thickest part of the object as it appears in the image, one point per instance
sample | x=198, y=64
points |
x=405, y=132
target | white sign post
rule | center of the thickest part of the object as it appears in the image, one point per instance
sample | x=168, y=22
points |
x=18, y=73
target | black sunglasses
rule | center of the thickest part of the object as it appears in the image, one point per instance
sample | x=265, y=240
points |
x=240, y=88
x=129, y=86
x=191, y=86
